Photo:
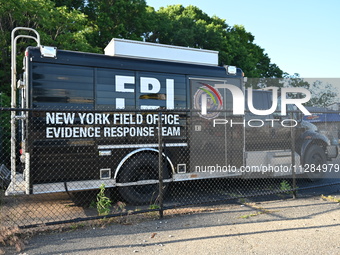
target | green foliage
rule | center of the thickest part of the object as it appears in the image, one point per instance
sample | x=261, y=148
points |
x=190, y=26
x=240, y=50
x=119, y=19
x=330, y=198
x=5, y=128
x=76, y=226
x=154, y=207
x=323, y=93
x=58, y=26
x=286, y=187
x=89, y=26
x=103, y=202
x=71, y=4
x=93, y=204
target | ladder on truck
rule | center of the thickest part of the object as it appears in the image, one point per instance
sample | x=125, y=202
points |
x=19, y=181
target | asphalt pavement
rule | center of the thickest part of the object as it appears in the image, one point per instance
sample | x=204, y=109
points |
x=309, y=224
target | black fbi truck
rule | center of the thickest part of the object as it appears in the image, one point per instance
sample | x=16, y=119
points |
x=93, y=119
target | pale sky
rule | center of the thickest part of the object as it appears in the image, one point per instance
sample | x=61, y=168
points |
x=300, y=36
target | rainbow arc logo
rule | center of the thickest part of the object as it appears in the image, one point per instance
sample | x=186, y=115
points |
x=212, y=99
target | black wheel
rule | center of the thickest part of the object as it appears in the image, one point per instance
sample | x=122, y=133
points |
x=315, y=159
x=141, y=167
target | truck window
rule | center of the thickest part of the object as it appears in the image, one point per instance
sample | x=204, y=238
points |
x=170, y=95
x=289, y=109
x=62, y=86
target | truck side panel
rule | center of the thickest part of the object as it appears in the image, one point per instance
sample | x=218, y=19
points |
x=58, y=87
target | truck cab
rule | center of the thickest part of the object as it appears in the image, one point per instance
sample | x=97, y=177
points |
x=312, y=147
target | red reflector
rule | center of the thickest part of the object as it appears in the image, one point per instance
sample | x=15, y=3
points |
x=20, y=151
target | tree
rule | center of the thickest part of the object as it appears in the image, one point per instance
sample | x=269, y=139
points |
x=57, y=26
x=116, y=18
x=71, y=4
x=322, y=92
x=190, y=26
x=89, y=25
x=240, y=50
x=187, y=26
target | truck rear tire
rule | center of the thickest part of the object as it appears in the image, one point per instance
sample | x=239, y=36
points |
x=315, y=158
x=141, y=167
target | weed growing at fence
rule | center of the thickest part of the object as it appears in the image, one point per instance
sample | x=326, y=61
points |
x=154, y=207
x=76, y=226
x=286, y=187
x=260, y=211
x=103, y=202
x=330, y=198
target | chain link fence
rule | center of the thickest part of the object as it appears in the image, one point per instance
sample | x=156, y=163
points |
x=72, y=165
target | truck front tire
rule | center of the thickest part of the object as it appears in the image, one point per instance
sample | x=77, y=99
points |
x=315, y=159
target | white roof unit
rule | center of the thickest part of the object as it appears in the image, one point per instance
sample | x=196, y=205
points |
x=155, y=51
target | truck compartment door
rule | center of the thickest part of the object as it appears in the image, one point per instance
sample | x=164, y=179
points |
x=214, y=147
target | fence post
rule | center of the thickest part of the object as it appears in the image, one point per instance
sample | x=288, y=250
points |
x=292, y=133
x=160, y=164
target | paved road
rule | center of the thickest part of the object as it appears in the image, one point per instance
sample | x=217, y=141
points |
x=307, y=225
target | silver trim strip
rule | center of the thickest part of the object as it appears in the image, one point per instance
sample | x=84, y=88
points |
x=137, y=151
x=133, y=146
x=87, y=185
